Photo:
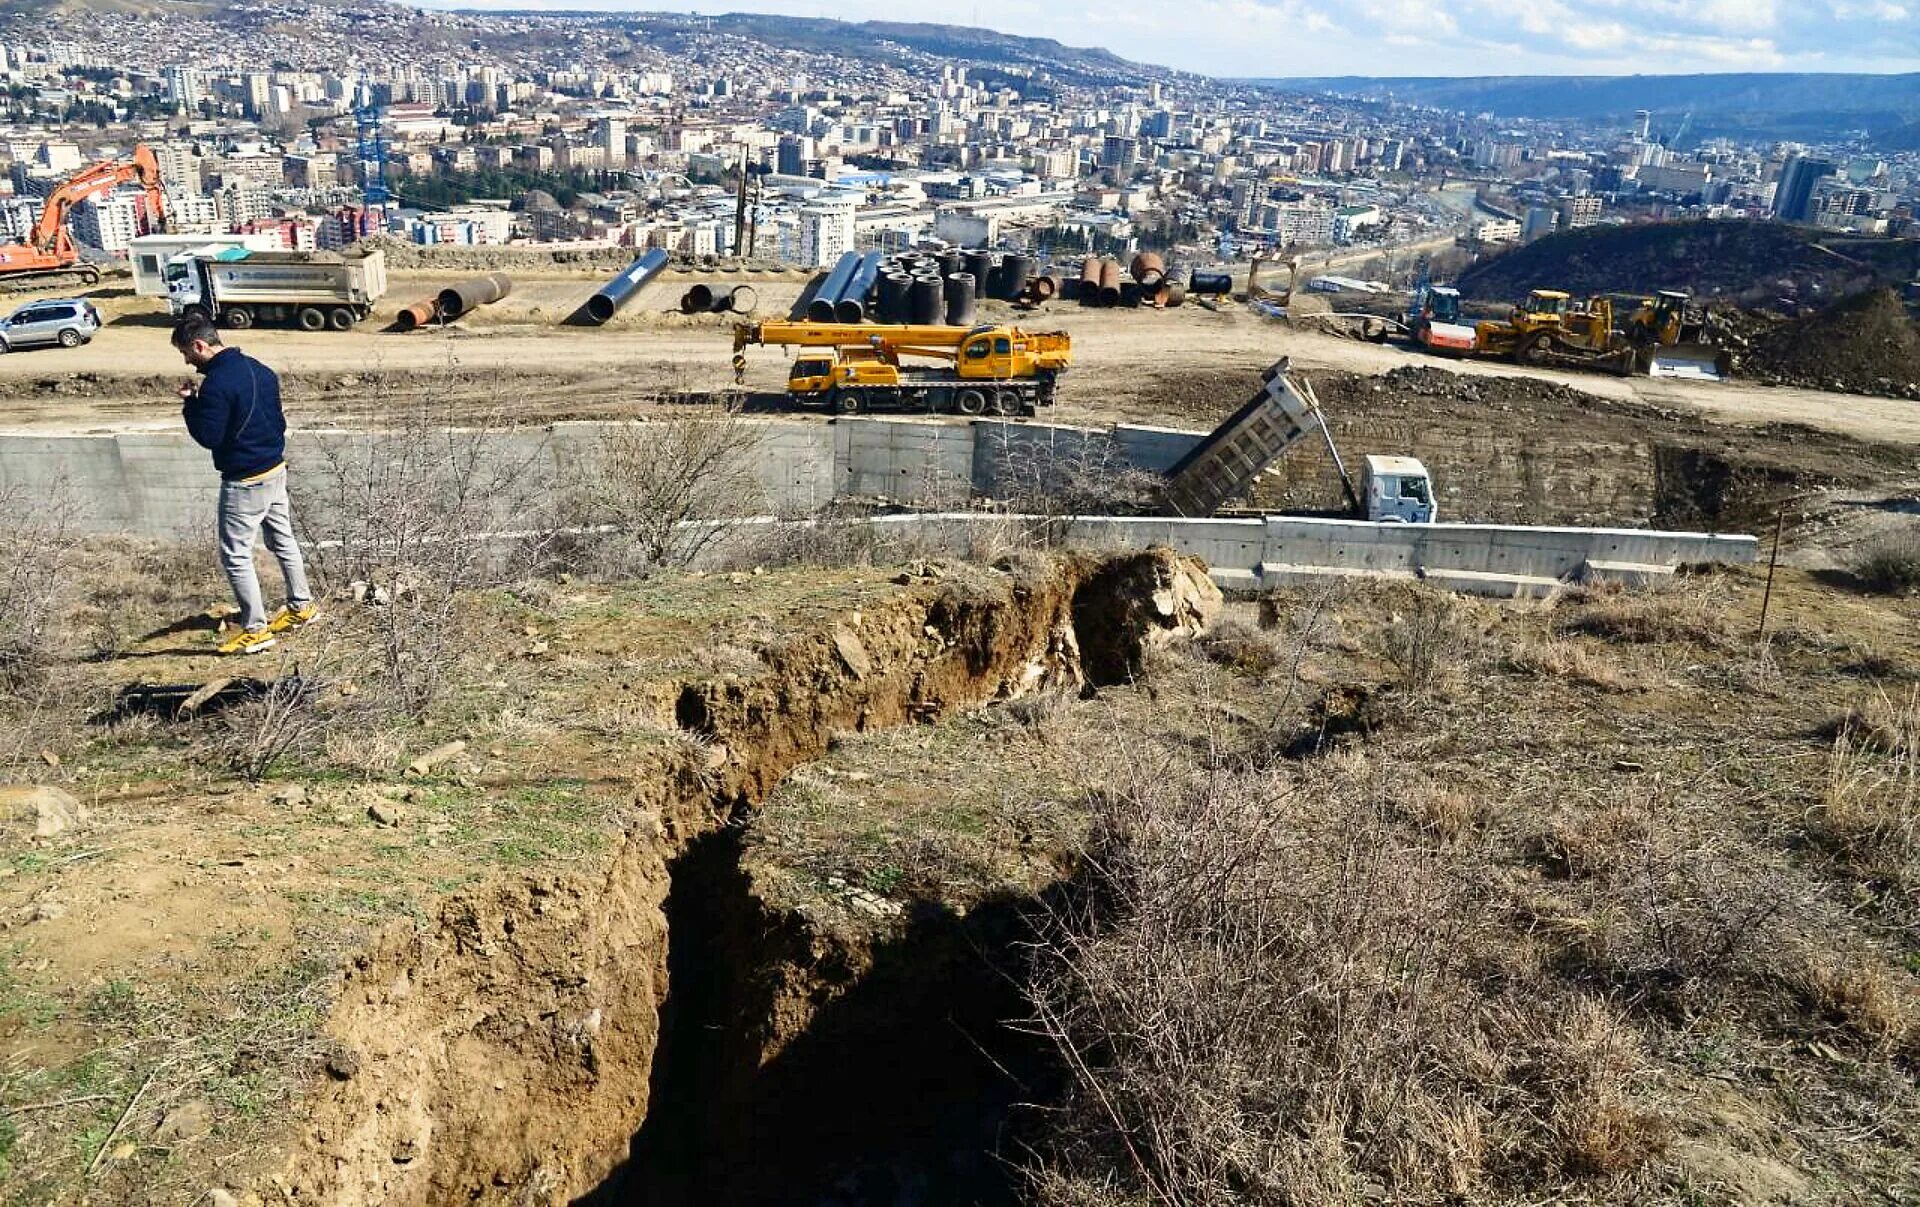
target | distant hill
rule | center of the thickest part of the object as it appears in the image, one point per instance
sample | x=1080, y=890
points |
x=1806, y=102
x=1749, y=263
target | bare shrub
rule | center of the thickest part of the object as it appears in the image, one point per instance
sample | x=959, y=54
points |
x=1890, y=565
x=664, y=493
x=1063, y=474
x=1429, y=642
x=38, y=541
x=253, y=738
x=408, y=521
x=1244, y=648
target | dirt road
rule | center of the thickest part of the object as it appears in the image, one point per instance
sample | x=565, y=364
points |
x=518, y=356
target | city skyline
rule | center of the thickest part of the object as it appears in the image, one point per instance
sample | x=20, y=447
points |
x=1385, y=38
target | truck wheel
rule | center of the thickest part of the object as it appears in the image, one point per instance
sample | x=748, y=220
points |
x=311, y=318
x=69, y=338
x=1004, y=402
x=340, y=318
x=239, y=318
x=843, y=402
x=970, y=402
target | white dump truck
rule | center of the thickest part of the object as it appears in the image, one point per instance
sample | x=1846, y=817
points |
x=315, y=291
x=1223, y=467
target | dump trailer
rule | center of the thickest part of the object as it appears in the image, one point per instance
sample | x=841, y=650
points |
x=315, y=291
x=848, y=368
x=1283, y=413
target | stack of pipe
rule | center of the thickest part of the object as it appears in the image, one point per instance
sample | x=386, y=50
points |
x=851, y=305
x=456, y=300
x=621, y=290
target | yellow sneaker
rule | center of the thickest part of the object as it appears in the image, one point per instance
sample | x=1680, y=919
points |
x=293, y=618
x=249, y=641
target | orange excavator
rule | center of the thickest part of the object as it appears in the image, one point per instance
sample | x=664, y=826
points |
x=50, y=250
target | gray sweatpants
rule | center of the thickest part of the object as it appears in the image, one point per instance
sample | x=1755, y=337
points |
x=247, y=510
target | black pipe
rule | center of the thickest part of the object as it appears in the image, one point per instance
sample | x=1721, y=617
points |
x=820, y=309
x=619, y=291
x=893, y=296
x=1014, y=271
x=980, y=268
x=851, y=305
x=925, y=301
x=1202, y=282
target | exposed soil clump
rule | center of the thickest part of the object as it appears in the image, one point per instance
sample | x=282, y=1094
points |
x=1867, y=344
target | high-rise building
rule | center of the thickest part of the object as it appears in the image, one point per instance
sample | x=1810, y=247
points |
x=613, y=140
x=792, y=154
x=110, y=223
x=186, y=87
x=1792, y=200
x=826, y=230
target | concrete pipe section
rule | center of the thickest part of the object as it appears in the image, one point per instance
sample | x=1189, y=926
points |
x=959, y=297
x=456, y=300
x=621, y=290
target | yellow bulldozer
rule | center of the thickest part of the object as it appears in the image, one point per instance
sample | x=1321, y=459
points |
x=1554, y=328
x=849, y=368
x=1673, y=337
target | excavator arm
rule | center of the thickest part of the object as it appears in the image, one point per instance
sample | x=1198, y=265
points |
x=50, y=232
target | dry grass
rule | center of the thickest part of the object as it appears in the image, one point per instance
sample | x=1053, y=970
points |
x=1862, y=993
x=1890, y=565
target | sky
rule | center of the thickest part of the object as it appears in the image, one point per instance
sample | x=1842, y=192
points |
x=1406, y=37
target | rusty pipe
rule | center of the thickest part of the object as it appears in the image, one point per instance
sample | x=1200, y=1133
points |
x=1043, y=288
x=1109, y=282
x=1148, y=269
x=455, y=300
x=418, y=315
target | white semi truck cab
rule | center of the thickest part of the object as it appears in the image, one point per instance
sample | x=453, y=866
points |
x=1397, y=490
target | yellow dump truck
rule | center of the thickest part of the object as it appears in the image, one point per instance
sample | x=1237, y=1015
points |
x=849, y=368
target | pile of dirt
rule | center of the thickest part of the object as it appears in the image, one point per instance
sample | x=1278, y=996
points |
x=1866, y=344
x=1755, y=264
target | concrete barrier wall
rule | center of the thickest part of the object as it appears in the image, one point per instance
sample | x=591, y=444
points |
x=159, y=484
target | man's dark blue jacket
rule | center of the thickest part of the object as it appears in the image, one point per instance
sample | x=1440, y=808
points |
x=237, y=415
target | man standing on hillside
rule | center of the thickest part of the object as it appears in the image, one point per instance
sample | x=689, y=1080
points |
x=235, y=414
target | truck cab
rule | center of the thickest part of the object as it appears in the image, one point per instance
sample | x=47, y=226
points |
x=1397, y=490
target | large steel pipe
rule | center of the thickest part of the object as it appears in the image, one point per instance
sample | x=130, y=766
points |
x=697, y=300
x=456, y=300
x=1148, y=269
x=820, y=309
x=418, y=315
x=743, y=299
x=1202, y=282
x=1043, y=288
x=1109, y=282
x=959, y=296
x=1090, y=281
x=621, y=290
x=851, y=305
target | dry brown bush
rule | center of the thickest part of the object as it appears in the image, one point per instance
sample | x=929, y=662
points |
x=1689, y=611
x=1430, y=641
x=1866, y=809
x=1268, y=994
x=38, y=541
x=1890, y=565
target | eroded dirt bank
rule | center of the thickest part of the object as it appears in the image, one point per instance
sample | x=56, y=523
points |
x=505, y=1051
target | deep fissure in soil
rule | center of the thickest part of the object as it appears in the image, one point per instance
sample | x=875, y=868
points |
x=900, y=1086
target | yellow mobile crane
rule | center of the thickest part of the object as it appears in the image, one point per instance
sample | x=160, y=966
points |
x=853, y=367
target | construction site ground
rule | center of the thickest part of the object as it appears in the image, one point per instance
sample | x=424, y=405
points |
x=1134, y=365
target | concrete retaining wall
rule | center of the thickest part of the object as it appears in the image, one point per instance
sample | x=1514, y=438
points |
x=159, y=484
